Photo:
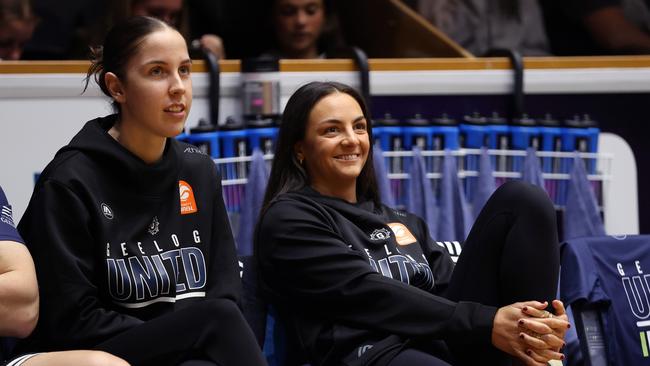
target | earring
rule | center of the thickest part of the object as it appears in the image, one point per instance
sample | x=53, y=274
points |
x=300, y=160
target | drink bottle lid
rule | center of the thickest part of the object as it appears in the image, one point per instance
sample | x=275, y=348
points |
x=475, y=119
x=386, y=120
x=259, y=122
x=548, y=121
x=417, y=120
x=588, y=122
x=524, y=120
x=444, y=120
x=496, y=119
x=232, y=124
x=203, y=126
x=574, y=122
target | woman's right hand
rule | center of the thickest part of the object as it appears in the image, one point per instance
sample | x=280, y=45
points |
x=508, y=335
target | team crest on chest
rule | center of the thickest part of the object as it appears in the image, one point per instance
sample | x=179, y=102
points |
x=380, y=234
x=154, y=226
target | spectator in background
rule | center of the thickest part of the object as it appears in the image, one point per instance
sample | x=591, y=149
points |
x=65, y=29
x=172, y=12
x=304, y=29
x=17, y=23
x=596, y=27
x=482, y=25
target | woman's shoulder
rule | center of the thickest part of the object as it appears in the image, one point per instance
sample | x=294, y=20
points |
x=291, y=200
x=194, y=161
x=292, y=205
x=191, y=154
x=407, y=218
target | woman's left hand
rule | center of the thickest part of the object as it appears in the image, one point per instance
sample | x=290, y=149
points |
x=545, y=330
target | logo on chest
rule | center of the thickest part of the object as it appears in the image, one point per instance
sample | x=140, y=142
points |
x=403, y=235
x=188, y=203
x=154, y=227
x=108, y=213
x=380, y=234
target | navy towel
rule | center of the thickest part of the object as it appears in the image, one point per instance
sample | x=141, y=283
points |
x=581, y=215
x=532, y=172
x=383, y=183
x=258, y=176
x=421, y=200
x=486, y=184
x=454, y=219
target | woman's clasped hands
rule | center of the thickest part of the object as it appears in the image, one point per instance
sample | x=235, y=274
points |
x=526, y=330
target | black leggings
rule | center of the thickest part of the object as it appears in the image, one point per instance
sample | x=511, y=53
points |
x=213, y=331
x=510, y=255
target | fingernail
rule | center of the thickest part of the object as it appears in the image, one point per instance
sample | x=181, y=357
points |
x=561, y=357
x=529, y=352
x=521, y=335
x=568, y=325
x=521, y=322
x=525, y=308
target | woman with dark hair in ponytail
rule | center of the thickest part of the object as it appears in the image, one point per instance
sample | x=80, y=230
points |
x=358, y=283
x=127, y=226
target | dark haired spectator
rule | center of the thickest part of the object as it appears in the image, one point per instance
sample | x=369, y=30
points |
x=172, y=12
x=66, y=28
x=304, y=29
x=17, y=23
x=482, y=25
x=596, y=27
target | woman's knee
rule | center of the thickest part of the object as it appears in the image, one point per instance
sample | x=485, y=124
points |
x=100, y=358
x=221, y=312
x=526, y=199
x=88, y=358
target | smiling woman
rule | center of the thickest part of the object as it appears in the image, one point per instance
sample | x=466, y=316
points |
x=336, y=145
x=127, y=226
x=359, y=283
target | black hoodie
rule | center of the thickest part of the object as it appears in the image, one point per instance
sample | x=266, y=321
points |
x=117, y=241
x=349, y=278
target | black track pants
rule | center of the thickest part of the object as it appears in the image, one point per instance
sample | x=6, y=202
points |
x=213, y=331
x=510, y=255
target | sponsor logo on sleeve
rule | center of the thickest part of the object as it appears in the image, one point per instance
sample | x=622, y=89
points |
x=188, y=203
x=6, y=216
x=403, y=235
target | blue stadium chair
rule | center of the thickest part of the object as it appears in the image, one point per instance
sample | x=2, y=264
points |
x=606, y=281
x=279, y=349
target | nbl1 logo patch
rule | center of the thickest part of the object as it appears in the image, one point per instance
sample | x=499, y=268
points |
x=188, y=203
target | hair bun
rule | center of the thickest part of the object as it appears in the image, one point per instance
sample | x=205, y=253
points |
x=96, y=53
